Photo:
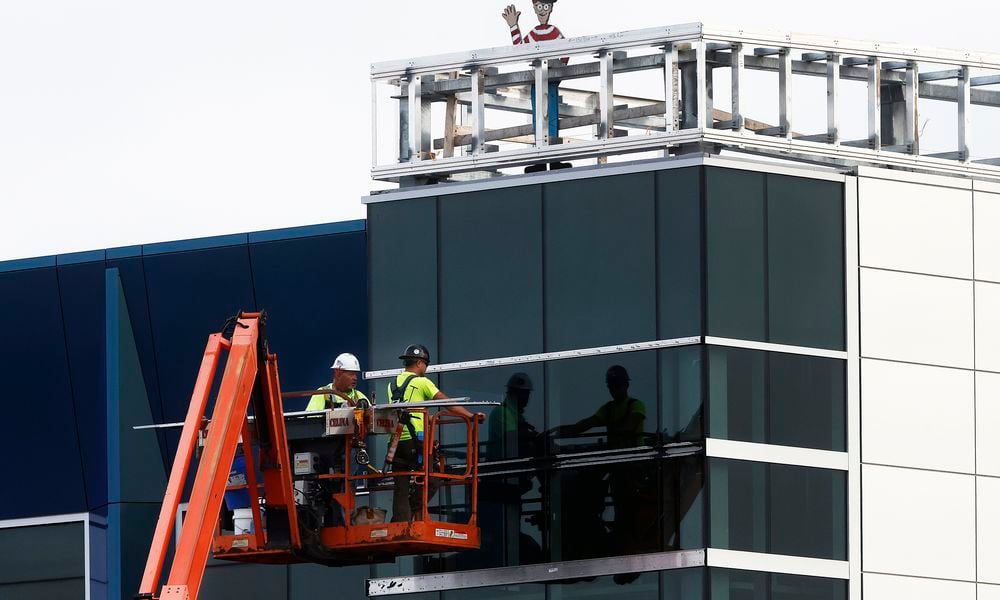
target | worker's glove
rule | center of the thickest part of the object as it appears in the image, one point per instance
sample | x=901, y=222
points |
x=480, y=418
x=511, y=15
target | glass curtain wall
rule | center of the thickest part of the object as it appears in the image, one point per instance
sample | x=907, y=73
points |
x=603, y=455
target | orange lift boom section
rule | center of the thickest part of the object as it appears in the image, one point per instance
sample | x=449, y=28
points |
x=250, y=381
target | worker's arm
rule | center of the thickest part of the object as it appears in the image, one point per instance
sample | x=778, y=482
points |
x=455, y=410
x=579, y=427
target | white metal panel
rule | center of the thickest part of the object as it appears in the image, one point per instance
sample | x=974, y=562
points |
x=771, y=453
x=891, y=587
x=912, y=227
x=988, y=529
x=988, y=424
x=852, y=317
x=987, y=241
x=777, y=563
x=988, y=592
x=916, y=318
x=919, y=523
x=988, y=326
x=902, y=415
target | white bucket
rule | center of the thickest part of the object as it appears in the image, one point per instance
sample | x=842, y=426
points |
x=242, y=521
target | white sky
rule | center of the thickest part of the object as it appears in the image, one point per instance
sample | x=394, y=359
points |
x=126, y=122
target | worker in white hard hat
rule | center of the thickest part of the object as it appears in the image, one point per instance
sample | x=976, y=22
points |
x=343, y=385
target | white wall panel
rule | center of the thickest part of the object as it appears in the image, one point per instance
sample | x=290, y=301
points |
x=987, y=240
x=988, y=325
x=889, y=587
x=901, y=415
x=988, y=528
x=989, y=592
x=912, y=227
x=916, y=318
x=988, y=424
x=918, y=522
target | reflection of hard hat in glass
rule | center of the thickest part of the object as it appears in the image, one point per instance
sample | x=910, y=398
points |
x=519, y=381
x=616, y=374
x=346, y=362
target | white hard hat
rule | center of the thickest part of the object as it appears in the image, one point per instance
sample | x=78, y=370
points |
x=347, y=362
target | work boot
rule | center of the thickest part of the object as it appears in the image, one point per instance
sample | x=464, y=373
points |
x=535, y=168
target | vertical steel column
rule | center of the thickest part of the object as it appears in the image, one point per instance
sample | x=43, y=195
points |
x=607, y=95
x=425, y=118
x=415, y=117
x=832, y=96
x=964, y=114
x=478, y=111
x=875, y=102
x=404, y=120
x=785, y=92
x=670, y=88
x=737, y=65
x=541, y=67
x=701, y=109
x=911, y=131
x=374, y=119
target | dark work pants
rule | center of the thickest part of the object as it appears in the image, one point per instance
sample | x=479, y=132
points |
x=406, y=459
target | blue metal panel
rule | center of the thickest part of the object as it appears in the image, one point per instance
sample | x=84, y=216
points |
x=191, y=294
x=38, y=436
x=124, y=252
x=74, y=258
x=218, y=241
x=27, y=263
x=288, y=233
x=315, y=295
x=81, y=291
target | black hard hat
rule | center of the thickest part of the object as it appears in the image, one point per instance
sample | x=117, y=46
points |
x=416, y=351
x=616, y=374
x=519, y=381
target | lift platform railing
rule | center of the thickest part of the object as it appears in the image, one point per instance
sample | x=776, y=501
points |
x=447, y=116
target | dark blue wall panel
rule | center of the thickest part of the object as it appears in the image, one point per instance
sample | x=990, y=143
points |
x=191, y=294
x=314, y=292
x=43, y=471
x=81, y=291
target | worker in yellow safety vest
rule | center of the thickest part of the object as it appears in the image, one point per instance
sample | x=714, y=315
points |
x=412, y=386
x=343, y=385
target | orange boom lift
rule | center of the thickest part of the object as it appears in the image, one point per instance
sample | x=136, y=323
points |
x=297, y=516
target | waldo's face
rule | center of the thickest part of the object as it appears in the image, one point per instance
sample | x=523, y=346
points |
x=542, y=11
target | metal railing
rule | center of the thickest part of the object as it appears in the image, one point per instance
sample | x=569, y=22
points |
x=446, y=116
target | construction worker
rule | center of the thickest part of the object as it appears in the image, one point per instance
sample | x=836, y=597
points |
x=543, y=32
x=343, y=385
x=412, y=386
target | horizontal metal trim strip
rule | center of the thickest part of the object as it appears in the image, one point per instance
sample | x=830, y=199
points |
x=46, y=520
x=777, y=563
x=775, y=454
x=769, y=347
x=822, y=172
x=555, y=571
x=544, y=356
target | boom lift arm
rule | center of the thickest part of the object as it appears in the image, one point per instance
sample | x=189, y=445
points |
x=251, y=375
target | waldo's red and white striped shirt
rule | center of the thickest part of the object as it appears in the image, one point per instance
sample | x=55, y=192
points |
x=540, y=33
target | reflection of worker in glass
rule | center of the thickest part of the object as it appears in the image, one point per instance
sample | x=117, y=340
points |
x=501, y=499
x=510, y=434
x=631, y=488
x=623, y=416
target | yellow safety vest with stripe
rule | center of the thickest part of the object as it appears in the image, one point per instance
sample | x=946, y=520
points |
x=319, y=401
x=418, y=390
